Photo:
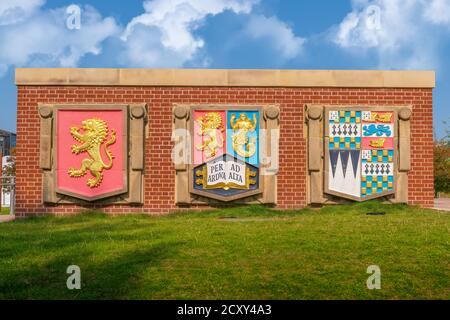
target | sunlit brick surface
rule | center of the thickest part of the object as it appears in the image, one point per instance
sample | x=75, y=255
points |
x=159, y=171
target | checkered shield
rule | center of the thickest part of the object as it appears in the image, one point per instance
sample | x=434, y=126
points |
x=359, y=153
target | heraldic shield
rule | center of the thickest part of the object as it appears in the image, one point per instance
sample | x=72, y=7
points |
x=226, y=153
x=91, y=148
x=360, y=153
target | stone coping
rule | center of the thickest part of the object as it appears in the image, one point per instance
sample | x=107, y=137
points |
x=225, y=78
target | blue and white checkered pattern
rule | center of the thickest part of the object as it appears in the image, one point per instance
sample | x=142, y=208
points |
x=371, y=185
x=352, y=143
x=345, y=117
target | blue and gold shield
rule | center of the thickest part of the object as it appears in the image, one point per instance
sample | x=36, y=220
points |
x=226, y=153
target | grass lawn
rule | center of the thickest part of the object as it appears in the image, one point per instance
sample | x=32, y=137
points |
x=239, y=253
x=4, y=211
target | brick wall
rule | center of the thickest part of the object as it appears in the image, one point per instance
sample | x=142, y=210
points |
x=159, y=174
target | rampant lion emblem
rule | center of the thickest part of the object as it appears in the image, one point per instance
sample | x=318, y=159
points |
x=209, y=124
x=95, y=132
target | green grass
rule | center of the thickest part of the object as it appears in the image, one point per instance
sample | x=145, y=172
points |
x=254, y=253
x=4, y=211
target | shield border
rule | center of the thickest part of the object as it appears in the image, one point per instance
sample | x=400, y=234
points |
x=226, y=107
x=327, y=154
x=124, y=109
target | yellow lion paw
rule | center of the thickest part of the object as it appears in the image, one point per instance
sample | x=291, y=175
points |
x=76, y=173
x=71, y=172
x=92, y=183
x=75, y=149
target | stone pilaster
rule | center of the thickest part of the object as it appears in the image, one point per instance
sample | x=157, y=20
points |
x=181, y=137
x=314, y=118
x=270, y=169
x=45, y=153
x=404, y=154
x=138, y=120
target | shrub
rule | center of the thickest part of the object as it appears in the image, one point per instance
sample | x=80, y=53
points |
x=442, y=164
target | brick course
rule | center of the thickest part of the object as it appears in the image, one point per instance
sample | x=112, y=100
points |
x=159, y=173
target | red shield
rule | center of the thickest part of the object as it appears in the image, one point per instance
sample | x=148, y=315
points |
x=91, y=152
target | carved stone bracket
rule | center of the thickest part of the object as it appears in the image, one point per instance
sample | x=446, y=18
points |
x=315, y=152
x=45, y=155
x=181, y=137
x=138, y=120
x=404, y=159
x=271, y=165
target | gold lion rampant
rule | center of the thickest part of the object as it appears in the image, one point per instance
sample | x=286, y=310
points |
x=93, y=138
x=240, y=141
x=209, y=124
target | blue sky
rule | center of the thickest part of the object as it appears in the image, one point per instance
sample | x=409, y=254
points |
x=321, y=34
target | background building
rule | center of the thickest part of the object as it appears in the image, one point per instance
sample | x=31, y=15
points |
x=7, y=141
x=6, y=190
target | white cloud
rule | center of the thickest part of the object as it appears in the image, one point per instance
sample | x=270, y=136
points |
x=398, y=31
x=438, y=12
x=164, y=34
x=278, y=34
x=42, y=38
x=13, y=11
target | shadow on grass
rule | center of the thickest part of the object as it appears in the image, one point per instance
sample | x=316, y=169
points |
x=366, y=207
x=249, y=211
x=111, y=262
x=243, y=211
x=114, y=278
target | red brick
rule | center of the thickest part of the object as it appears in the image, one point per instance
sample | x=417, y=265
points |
x=159, y=175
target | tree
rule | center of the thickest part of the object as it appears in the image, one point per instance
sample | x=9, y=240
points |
x=9, y=170
x=442, y=163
